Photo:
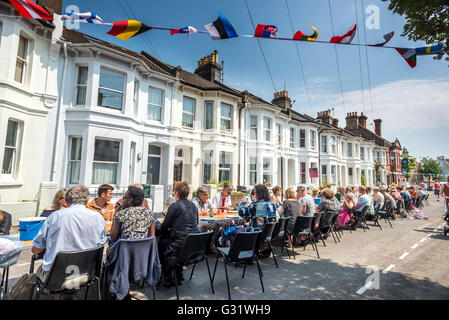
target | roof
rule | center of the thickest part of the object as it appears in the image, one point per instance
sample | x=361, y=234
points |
x=368, y=134
x=77, y=37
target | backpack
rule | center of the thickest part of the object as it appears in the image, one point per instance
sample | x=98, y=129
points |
x=21, y=290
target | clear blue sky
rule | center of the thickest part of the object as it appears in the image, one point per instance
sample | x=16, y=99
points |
x=413, y=103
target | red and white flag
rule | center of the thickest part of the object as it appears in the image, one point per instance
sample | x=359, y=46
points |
x=29, y=9
x=347, y=38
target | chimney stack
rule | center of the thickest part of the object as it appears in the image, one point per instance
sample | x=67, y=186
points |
x=352, y=121
x=54, y=6
x=335, y=122
x=325, y=116
x=282, y=100
x=362, y=120
x=209, y=68
x=378, y=127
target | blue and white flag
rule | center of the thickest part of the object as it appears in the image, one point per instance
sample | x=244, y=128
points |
x=221, y=28
x=86, y=17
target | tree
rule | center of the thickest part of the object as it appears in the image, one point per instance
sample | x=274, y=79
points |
x=363, y=180
x=425, y=20
x=430, y=167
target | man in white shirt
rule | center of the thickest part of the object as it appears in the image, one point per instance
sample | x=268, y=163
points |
x=222, y=200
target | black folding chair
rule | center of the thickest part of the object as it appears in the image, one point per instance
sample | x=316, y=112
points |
x=361, y=219
x=194, y=251
x=304, y=227
x=85, y=266
x=326, y=225
x=241, y=252
x=265, y=239
x=385, y=214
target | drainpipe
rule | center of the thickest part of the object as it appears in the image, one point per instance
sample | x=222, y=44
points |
x=58, y=114
x=245, y=104
x=319, y=156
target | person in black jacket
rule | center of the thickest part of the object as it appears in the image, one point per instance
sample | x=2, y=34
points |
x=180, y=220
x=5, y=223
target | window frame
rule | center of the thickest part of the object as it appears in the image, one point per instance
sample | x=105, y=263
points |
x=108, y=162
x=223, y=118
x=267, y=130
x=313, y=134
x=349, y=150
x=302, y=138
x=16, y=150
x=188, y=113
x=71, y=161
x=278, y=134
x=24, y=61
x=252, y=171
x=206, y=103
x=112, y=90
x=323, y=139
x=222, y=155
x=152, y=105
x=78, y=85
x=153, y=155
x=269, y=171
x=292, y=137
x=333, y=145
x=252, y=128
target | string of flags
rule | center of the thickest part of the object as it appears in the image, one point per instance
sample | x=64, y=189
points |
x=218, y=30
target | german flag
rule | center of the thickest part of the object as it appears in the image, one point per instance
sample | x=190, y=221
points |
x=127, y=29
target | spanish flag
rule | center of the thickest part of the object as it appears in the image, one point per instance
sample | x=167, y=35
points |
x=127, y=29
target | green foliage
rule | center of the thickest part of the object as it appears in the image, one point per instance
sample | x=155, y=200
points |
x=425, y=20
x=363, y=180
x=212, y=181
x=430, y=166
x=194, y=194
x=221, y=184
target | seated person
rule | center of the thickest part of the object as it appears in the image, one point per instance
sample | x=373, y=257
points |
x=180, y=220
x=340, y=194
x=292, y=209
x=5, y=223
x=222, y=200
x=261, y=211
x=389, y=199
x=347, y=206
x=413, y=192
x=69, y=229
x=58, y=203
x=378, y=198
x=315, y=193
x=134, y=222
x=371, y=211
x=119, y=205
x=277, y=191
x=363, y=201
x=404, y=195
x=102, y=204
x=308, y=207
x=328, y=202
x=205, y=207
x=251, y=197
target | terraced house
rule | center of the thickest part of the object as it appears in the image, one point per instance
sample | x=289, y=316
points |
x=106, y=114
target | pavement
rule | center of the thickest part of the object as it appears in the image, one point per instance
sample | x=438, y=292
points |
x=408, y=261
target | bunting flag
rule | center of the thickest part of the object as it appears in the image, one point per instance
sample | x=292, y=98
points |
x=127, y=29
x=265, y=31
x=299, y=35
x=429, y=50
x=86, y=17
x=221, y=28
x=188, y=30
x=347, y=38
x=387, y=38
x=29, y=9
x=409, y=55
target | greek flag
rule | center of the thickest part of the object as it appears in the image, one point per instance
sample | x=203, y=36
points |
x=86, y=17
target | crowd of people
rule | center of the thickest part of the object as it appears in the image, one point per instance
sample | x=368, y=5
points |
x=75, y=222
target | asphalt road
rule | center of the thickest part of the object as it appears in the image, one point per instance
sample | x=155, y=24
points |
x=411, y=260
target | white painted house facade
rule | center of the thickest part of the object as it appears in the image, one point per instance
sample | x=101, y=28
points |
x=28, y=92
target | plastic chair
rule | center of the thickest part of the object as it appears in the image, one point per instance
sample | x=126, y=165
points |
x=326, y=222
x=304, y=226
x=6, y=261
x=138, y=251
x=241, y=252
x=194, y=251
x=384, y=214
x=265, y=239
x=88, y=265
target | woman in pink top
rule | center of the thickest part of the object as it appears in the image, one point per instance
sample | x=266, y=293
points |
x=344, y=216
